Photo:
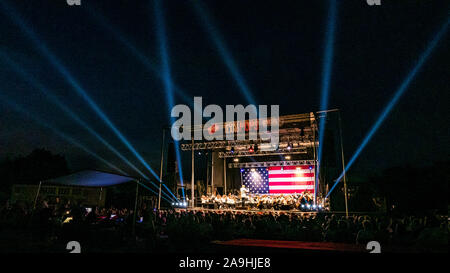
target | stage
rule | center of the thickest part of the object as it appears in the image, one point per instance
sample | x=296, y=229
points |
x=273, y=211
x=253, y=211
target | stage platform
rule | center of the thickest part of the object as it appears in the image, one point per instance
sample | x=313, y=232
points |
x=254, y=211
x=264, y=211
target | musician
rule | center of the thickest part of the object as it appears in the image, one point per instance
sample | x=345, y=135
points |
x=244, y=194
x=231, y=200
x=308, y=198
x=303, y=199
x=204, y=200
x=252, y=200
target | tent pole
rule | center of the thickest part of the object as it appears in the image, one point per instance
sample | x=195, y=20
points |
x=161, y=169
x=100, y=195
x=37, y=194
x=212, y=173
x=343, y=165
x=135, y=208
x=316, y=163
x=192, y=175
x=225, y=175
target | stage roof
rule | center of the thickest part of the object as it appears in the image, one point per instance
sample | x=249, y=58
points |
x=90, y=178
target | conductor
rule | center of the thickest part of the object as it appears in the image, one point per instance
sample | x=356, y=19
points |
x=244, y=194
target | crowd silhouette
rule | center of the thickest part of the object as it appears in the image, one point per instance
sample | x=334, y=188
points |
x=113, y=229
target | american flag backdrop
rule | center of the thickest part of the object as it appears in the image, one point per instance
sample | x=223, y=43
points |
x=279, y=180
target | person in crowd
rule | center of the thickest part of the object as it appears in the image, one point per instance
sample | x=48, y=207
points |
x=244, y=194
x=428, y=230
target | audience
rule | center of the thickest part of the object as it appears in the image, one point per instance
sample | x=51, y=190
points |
x=170, y=229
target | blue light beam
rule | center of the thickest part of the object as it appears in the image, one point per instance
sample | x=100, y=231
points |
x=161, y=34
x=72, y=81
x=227, y=57
x=67, y=138
x=38, y=85
x=157, y=187
x=148, y=188
x=403, y=87
x=326, y=75
x=148, y=64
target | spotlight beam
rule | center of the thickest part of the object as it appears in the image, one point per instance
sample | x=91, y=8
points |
x=168, y=190
x=69, y=139
x=326, y=76
x=157, y=187
x=38, y=85
x=400, y=91
x=161, y=34
x=148, y=64
x=227, y=57
x=72, y=81
x=148, y=188
x=71, y=114
x=64, y=136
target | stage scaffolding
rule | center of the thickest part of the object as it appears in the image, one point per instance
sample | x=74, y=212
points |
x=298, y=143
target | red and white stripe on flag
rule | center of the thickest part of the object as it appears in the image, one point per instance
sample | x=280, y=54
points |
x=291, y=179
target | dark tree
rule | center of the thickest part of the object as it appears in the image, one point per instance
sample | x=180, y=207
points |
x=410, y=189
x=39, y=165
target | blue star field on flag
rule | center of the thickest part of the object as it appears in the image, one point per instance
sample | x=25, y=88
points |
x=256, y=180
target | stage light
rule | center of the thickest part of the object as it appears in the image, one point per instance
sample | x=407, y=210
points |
x=199, y=153
x=224, y=52
x=314, y=206
x=232, y=150
x=402, y=88
x=251, y=150
x=288, y=157
x=303, y=206
x=42, y=47
x=242, y=170
x=236, y=159
x=289, y=146
x=310, y=167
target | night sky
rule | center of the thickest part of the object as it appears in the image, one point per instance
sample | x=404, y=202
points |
x=278, y=47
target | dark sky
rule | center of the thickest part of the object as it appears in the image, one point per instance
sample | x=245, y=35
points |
x=278, y=47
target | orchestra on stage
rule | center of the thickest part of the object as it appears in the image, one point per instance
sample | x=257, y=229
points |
x=300, y=201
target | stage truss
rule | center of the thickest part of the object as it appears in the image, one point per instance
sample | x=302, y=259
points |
x=271, y=163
